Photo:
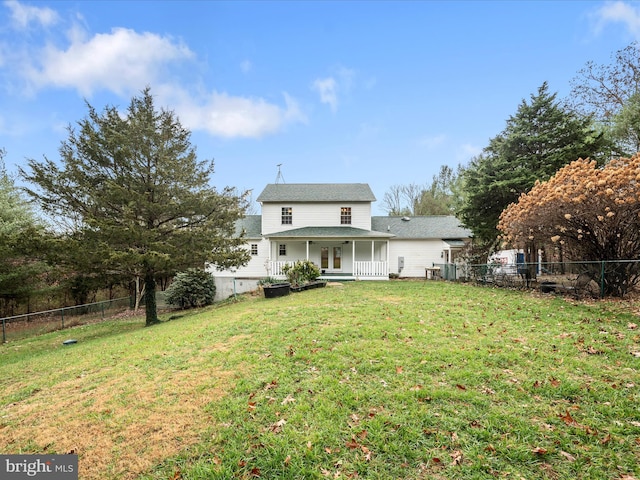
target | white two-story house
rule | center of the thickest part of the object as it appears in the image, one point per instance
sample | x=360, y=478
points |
x=331, y=225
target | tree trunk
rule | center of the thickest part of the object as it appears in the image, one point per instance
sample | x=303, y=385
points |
x=138, y=294
x=150, y=306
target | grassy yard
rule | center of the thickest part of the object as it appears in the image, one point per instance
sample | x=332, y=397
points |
x=382, y=380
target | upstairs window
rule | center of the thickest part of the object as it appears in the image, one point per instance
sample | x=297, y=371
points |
x=287, y=216
x=345, y=216
x=254, y=249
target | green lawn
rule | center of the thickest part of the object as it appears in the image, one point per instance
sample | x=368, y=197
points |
x=376, y=380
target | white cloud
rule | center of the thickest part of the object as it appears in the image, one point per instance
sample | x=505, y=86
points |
x=230, y=116
x=23, y=15
x=327, y=88
x=619, y=12
x=330, y=88
x=121, y=61
x=124, y=62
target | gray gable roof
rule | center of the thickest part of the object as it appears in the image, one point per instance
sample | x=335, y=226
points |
x=317, y=192
x=251, y=224
x=433, y=226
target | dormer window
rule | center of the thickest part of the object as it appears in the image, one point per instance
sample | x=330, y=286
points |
x=287, y=216
x=345, y=216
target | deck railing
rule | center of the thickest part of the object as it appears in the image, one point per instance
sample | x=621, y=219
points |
x=370, y=269
x=360, y=269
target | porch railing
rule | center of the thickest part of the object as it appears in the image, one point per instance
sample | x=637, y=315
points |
x=360, y=269
x=370, y=269
x=275, y=268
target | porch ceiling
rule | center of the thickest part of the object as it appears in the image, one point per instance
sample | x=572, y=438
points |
x=330, y=232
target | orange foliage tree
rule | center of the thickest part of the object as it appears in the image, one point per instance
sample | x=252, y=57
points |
x=591, y=213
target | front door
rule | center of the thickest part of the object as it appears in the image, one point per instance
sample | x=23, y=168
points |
x=331, y=258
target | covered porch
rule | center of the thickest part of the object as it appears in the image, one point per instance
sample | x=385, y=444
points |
x=341, y=253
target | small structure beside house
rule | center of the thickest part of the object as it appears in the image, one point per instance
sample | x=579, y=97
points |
x=331, y=225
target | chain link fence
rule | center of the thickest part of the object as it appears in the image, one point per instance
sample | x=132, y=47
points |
x=587, y=278
x=30, y=324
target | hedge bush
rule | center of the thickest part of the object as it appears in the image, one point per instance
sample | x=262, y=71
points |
x=192, y=288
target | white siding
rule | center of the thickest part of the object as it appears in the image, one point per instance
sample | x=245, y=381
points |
x=418, y=255
x=314, y=215
x=256, y=266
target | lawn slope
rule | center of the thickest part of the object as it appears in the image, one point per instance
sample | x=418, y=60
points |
x=369, y=380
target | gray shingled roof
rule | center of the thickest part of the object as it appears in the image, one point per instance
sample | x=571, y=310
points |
x=252, y=225
x=317, y=192
x=435, y=226
x=330, y=232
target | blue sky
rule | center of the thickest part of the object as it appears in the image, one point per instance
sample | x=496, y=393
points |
x=377, y=92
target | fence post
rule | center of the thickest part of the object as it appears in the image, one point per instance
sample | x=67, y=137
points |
x=4, y=333
x=602, y=279
x=62, y=315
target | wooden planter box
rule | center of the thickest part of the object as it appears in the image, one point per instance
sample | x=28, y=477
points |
x=276, y=290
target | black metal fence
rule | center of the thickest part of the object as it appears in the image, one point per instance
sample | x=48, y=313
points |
x=30, y=324
x=597, y=279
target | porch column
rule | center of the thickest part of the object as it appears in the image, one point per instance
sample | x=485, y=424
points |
x=269, y=264
x=353, y=257
x=387, y=248
x=373, y=250
x=307, y=250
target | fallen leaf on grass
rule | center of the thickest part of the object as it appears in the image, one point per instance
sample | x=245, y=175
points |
x=632, y=326
x=277, y=427
x=352, y=444
x=456, y=457
x=271, y=385
x=398, y=369
x=568, y=456
x=367, y=453
x=287, y=399
x=567, y=418
x=461, y=387
x=540, y=451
